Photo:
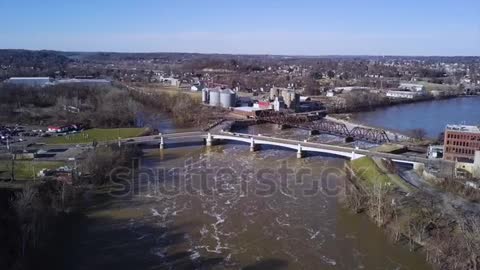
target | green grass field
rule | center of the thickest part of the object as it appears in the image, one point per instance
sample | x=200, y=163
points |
x=26, y=169
x=97, y=134
x=366, y=169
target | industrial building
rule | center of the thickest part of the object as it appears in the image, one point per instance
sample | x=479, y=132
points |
x=345, y=89
x=30, y=81
x=403, y=94
x=228, y=98
x=169, y=81
x=288, y=96
x=218, y=97
x=85, y=82
x=461, y=142
x=412, y=87
x=249, y=112
x=407, y=91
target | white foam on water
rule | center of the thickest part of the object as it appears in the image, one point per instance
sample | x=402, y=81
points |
x=159, y=252
x=329, y=261
x=282, y=223
x=195, y=255
x=313, y=236
x=155, y=212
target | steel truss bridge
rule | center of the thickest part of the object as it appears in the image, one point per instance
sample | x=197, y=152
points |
x=315, y=125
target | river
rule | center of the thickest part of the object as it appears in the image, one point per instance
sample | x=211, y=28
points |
x=224, y=207
x=432, y=116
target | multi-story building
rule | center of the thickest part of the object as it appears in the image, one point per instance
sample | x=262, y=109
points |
x=461, y=142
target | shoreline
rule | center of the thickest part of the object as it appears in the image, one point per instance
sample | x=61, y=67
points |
x=420, y=221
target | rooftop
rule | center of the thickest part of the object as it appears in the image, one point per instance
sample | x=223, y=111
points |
x=248, y=109
x=463, y=128
x=29, y=78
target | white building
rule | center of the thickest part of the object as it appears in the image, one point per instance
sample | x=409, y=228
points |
x=402, y=94
x=350, y=89
x=412, y=87
x=86, y=82
x=30, y=81
x=170, y=81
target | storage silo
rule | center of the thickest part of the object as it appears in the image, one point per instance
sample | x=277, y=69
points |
x=205, y=96
x=227, y=98
x=214, y=97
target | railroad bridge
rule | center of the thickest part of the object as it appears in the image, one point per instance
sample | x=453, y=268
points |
x=316, y=125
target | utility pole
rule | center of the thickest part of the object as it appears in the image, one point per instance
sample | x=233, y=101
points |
x=33, y=170
x=12, y=175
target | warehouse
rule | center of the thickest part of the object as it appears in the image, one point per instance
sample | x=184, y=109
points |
x=85, y=82
x=30, y=81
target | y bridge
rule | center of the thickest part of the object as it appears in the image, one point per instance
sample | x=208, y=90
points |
x=255, y=141
x=316, y=126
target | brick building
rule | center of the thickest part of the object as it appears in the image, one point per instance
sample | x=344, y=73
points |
x=461, y=142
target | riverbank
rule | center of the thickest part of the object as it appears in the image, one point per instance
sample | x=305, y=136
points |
x=450, y=238
x=38, y=217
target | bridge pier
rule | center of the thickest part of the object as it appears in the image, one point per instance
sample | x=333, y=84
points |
x=419, y=167
x=209, y=140
x=162, y=144
x=253, y=146
x=299, y=151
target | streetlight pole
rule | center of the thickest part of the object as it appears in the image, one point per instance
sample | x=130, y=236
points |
x=33, y=170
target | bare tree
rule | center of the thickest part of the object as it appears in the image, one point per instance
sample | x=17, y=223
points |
x=418, y=134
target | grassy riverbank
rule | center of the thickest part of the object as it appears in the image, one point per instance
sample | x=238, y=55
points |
x=98, y=135
x=38, y=219
x=26, y=169
x=449, y=237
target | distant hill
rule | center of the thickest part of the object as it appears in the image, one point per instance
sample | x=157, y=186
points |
x=31, y=63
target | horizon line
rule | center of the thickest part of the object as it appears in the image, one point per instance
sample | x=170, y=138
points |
x=235, y=54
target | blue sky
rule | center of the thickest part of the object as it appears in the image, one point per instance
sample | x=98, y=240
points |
x=300, y=27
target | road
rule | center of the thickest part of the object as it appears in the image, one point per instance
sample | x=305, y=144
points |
x=203, y=135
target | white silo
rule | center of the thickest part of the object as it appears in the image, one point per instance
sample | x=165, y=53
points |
x=214, y=97
x=227, y=98
x=205, y=96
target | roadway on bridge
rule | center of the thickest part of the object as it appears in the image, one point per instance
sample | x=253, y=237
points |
x=292, y=144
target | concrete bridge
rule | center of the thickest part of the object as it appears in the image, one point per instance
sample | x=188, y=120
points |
x=254, y=141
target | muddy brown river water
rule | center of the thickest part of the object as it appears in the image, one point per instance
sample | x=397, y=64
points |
x=227, y=208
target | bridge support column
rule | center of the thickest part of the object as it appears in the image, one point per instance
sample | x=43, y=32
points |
x=299, y=152
x=253, y=146
x=354, y=156
x=162, y=144
x=419, y=167
x=209, y=139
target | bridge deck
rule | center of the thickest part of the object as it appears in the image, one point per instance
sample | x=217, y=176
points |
x=287, y=143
